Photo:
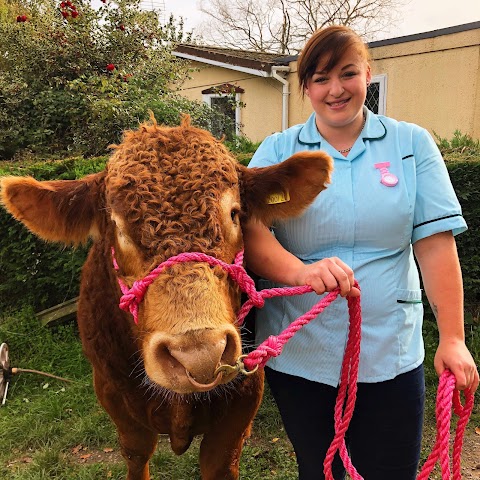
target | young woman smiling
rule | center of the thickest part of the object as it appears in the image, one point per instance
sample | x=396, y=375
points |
x=390, y=201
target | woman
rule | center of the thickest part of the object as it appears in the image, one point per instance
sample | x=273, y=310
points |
x=390, y=200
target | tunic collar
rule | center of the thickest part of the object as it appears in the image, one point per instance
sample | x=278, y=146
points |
x=374, y=129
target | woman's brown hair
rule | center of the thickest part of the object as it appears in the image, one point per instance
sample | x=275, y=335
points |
x=331, y=42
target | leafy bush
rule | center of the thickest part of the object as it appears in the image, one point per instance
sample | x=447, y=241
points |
x=243, y=148
x=34, y=272
x=72, y=78
x=462, y=157
x=465, y=177
x=460, y=147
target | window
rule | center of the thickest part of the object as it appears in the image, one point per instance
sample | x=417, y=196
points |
x=377, y=94
x=225, y=100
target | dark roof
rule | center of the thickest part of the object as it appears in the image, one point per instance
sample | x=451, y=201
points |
x=224, y=88
x=241, y=58
x=421, y=36
x=265, y=61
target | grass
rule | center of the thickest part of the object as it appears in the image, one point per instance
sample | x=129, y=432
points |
x=52, y=430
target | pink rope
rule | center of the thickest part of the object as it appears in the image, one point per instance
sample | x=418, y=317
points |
x=446, y=397
x=347, y=392
x=132, y=297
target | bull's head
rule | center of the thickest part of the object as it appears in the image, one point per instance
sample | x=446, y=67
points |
x=166, y=191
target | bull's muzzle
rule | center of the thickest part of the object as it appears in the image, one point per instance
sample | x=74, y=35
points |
x=190, y=362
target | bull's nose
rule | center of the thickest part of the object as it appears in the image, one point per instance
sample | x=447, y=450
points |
x=194, y=355
x=202, y=359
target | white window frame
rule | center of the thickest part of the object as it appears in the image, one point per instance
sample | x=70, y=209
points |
x=207, y=97
x=382, y=92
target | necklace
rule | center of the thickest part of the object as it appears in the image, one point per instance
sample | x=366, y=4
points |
x=346, y=150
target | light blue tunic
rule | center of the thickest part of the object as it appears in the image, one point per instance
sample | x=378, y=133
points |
x=371, y=227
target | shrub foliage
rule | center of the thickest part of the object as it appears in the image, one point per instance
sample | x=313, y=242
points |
x=465, y=178
x=33, y=272
x=72, y=77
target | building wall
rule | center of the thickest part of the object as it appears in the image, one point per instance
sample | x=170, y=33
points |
x=433, y=82
x=262, y=114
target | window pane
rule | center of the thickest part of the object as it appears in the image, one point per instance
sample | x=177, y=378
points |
x=373, y=97
x=224, y=122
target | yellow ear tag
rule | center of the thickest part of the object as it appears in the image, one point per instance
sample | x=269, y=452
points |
x=279, y=197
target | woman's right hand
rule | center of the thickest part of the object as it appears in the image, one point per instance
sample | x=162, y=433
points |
x=328, y=274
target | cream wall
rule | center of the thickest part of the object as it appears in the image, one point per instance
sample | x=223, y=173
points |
x=262, y=114
x=432, y=82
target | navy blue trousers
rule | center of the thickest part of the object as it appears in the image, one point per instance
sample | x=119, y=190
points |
x=385, y=433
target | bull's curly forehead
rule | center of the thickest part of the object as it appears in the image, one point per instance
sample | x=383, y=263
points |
x=166, y=183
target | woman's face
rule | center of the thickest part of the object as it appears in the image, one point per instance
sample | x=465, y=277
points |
x=338, y=96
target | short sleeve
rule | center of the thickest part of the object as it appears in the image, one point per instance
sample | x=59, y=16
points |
x=267, y=153
x=437, y=208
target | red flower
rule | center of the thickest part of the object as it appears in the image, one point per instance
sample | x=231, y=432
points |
x=104, y=1
x=121, y=27
x=65, y=14
x=21, y=18
x=110, y=67
x=74, y=14
x=62, y=5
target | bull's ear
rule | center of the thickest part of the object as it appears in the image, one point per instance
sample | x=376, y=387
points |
x=284, y=190
x=61, y=210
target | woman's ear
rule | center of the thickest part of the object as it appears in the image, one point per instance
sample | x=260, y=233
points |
x=369, y=74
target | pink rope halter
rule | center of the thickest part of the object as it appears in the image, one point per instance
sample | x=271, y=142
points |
x=132, y=297
x=345, y=403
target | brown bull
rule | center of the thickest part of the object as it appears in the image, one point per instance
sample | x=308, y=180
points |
x=166, y=191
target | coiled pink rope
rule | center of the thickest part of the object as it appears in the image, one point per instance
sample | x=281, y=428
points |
x=447, y=396
x=345, y=403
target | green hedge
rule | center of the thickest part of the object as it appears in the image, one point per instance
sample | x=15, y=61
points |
x=34, y=272
x=40, y=274
x=466, y=181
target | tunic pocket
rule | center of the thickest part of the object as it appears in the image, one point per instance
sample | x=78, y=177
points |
x=409, y=317
x=409, y=296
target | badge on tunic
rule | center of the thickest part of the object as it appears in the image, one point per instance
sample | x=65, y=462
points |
x=387, y=178
x=279, y=197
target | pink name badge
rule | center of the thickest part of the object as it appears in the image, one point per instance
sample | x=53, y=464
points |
x=387, y=178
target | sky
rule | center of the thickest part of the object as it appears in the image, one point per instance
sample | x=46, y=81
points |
x=417, y=17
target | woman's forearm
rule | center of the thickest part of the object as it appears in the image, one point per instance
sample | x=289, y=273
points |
x=442, y=278
x=267, y=258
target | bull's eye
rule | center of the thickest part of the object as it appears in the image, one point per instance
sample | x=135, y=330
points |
x=235, y=214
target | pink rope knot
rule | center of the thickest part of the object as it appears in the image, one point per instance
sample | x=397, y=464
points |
x=256, y=300
x=271, y=347
x=132, y=297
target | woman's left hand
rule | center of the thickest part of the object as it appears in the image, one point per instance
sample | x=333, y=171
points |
x=454, y=355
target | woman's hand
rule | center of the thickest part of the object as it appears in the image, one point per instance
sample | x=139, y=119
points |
x=326, y=275
x=454, y=355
